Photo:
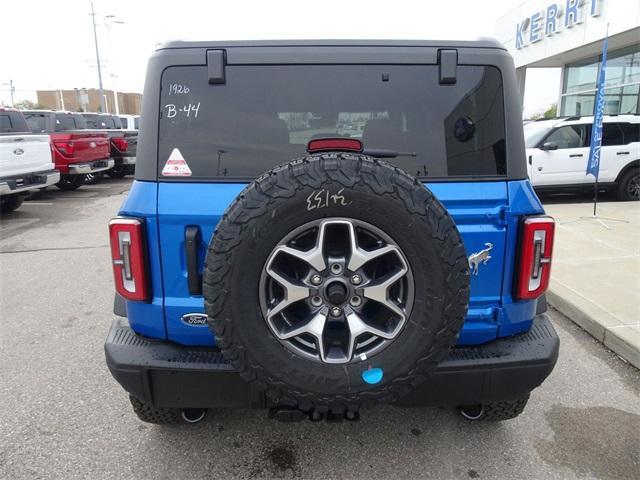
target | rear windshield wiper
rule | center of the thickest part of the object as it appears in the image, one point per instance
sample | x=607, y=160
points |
x=383, y=153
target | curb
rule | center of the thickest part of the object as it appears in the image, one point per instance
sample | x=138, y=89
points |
x=599, y=323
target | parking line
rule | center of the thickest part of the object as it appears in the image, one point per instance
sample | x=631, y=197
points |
x=37, y=203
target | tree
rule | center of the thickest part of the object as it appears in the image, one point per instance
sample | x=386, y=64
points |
x=27, y=105
x=551, y=112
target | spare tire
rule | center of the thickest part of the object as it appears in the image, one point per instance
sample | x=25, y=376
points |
x=334, y=281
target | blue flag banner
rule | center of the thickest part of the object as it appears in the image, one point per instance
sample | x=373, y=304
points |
x=593, y=166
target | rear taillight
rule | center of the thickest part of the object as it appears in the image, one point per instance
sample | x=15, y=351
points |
x=334, y=144
x=536, y=249
x=129, y=257
x=64, y=147
x=120, y=143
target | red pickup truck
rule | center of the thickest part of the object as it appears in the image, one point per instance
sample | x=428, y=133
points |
x=76, y=150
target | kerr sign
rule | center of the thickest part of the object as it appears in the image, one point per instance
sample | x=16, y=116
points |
x=553, y=19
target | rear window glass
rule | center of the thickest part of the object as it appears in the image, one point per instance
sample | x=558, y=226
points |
x=102, y=122
x=136, y=123
x=113, y=122
x=5, y=123
x=11, y=122
x=94, y=121
x=37, y=122
x=70, y=121
x=265, y=115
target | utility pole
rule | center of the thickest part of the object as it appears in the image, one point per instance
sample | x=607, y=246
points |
x=95, y=37
x=11, y=90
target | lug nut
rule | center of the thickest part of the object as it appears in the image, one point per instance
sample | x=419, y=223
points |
x=355, y=301
x=316, y=279
x=336, y=311
x=316, y=301
x=356, y=279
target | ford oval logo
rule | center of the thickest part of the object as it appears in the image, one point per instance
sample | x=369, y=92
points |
x=195, y=319
x=92, y=145
x=18, y=151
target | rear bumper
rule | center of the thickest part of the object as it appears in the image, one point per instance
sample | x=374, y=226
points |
x=169, y=375
x=27, y=182
x=90, y=167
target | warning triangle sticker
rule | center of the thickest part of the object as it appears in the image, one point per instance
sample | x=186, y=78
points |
x=176, y=165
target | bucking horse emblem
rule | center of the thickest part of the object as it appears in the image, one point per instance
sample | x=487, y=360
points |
x=481, y=257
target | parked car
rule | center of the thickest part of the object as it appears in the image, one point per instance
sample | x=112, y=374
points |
x=558, y=151
x=130, y=122
x=76, y=150
x=123, y=144
x=26, y=162
x=257, y=265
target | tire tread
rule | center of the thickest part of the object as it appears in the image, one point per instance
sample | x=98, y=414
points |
x=314, y=172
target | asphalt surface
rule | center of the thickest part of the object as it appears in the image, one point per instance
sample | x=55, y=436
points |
x=63, y=416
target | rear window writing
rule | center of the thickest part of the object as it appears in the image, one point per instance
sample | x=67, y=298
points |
x=265, y=115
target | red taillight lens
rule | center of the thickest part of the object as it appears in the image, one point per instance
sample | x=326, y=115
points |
x=536, y=249
x=121, y=144
x=334, y=144
x=128, y=254
x=66, y=148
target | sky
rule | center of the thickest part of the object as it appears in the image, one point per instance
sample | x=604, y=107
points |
x=47, y=44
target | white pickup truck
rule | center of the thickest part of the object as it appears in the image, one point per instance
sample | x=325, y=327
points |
x=558, y=151
x=26, y=161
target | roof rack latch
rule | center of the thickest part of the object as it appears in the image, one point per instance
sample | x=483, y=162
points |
x=448, y=63
x=216, y=60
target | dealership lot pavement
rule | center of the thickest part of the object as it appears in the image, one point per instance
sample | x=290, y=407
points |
x=596, y=271
x=63, y=416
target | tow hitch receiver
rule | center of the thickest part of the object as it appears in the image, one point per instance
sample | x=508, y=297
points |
x=290, y=415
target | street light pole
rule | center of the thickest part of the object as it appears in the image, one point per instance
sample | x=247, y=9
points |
x=109, y=21
x=95, y=37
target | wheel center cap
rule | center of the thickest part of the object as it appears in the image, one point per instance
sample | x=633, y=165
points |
x=336, y=293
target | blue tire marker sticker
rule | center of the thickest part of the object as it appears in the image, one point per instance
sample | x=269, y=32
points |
x=372, y=376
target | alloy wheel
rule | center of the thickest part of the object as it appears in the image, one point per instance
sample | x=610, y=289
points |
x=336, y=290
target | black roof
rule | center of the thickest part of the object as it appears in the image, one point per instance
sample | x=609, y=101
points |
x=477, y=43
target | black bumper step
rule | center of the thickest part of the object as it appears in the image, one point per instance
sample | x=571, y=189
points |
x=165, y=374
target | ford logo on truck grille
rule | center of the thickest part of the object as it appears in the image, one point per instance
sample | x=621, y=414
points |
x=195, y=319
x=18, y=151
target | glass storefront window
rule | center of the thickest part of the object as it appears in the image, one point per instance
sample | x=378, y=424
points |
x=630, y=101
x=622, y=84
x=581, y=78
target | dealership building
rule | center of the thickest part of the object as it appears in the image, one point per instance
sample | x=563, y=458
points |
x=569, y=34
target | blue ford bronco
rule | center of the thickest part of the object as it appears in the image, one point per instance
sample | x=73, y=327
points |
x=319, y=226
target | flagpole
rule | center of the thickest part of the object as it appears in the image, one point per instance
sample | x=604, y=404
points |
x=595, y=198
x=595, y=108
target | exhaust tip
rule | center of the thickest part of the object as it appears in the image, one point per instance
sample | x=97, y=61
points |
x=193, y=415
x=472, y=412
